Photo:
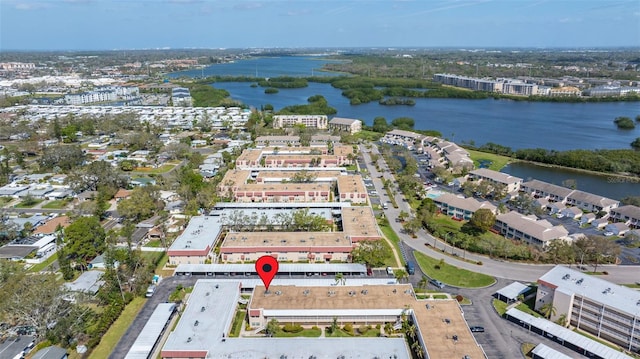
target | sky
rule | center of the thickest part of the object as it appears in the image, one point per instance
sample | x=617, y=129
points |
x=150, y=24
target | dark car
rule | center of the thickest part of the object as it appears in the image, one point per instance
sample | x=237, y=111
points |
x=477, y=329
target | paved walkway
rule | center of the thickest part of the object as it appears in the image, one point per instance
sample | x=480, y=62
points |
x=526, y=272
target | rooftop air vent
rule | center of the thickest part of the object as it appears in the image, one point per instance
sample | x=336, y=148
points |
x=202, y=309
x=566, y=276
x=579, y=281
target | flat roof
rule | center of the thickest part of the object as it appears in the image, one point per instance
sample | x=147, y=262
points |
x=288, y=173
x=546, y=352
x=225, y=205
x=89, y=282
x=16, y=251
x=235, y=177
x=273, y=215
x=513, y=290
x=150, y=334
x=567, y=335
x=249, y=155
x=342, y=150
x=200, y=233
x=351, y=184
x=616, y=296
x=282, y=268
x=286, y=239
x=359, y=221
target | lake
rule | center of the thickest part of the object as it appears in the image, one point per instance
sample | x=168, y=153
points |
x=558, y=126
x=604, y=185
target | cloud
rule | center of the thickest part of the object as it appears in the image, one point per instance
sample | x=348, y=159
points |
x=30, y=5
x=250, y=5
x=301, y=12
x=454, y=5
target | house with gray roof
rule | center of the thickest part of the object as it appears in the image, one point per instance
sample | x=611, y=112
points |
x=618, y=228
x=572, y=212
x=530, y=229
x=628, y=214
x=511, y=183
x=461, y=207
x=540, y=189
x=587, y=218
x=349, y=125
x=591, y=202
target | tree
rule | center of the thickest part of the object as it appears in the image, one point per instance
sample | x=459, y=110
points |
x=272, y=327
x=64, y=157
x=340, y=279
x=33, y=299
x=412, y=226
x=127, y=165
x=423, y=282
x=417, y=348
x=85, y=239
x=562, y=320
x=375, y=253
x=380, y=125
x=334, y=326
x=143, y=203
x=97, y=175
x=604, y=250
x=401, y=275
x=548, y=310
x=483, y=219
x=636, y=144
x=303, y=221
x=403, y=215
x=403, y=123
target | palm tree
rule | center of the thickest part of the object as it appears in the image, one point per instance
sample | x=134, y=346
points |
x=401, y=275
x=423, y=282
x=411, y=331
x=340, y=279
x=562, y=320
x=548, y=310
x=417, y=348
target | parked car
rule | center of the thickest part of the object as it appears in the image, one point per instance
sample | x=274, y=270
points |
x=437, y=283
x=477, y=329
x=389, y=271
x=150, y=291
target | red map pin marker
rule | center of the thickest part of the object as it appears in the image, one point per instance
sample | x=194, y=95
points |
x=267, y=267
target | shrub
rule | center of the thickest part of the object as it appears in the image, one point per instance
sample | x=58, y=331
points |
x=378, y=326
x=459, y=298
x=292, y=328
x=348, y=328
x=479, y=263
x=363, y=329
x=605, y=273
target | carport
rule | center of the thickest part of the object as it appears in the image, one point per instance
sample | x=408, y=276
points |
x=510, y=293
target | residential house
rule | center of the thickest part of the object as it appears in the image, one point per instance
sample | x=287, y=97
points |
x=511, y=183
x=12, y=190
x=461, y=207
x=587, y=218
x=540, y=189
x=142, y=182
x=556, y=207
x=572, y=212
x=600, y=223
x=50, y=226
x=530, y=229
x=345, y=125
x=591, y=202
x=618, y=228
x=628, y=214
x=122, y=194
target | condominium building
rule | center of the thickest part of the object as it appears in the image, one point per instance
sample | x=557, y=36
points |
x=511, y=183
x=345, y=125
x=592, y=304
x=629, y=214
x=540, y=189
x=460, y=207
x=315, y=121
x=530, y=229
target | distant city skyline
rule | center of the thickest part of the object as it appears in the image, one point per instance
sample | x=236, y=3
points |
x=178, y=24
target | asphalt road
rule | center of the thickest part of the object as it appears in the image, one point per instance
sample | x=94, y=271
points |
x=501, y=269
x=161, y=295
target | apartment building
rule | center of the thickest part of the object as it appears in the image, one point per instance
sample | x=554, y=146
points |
x=403, y=138
x=530, y=229
x=630, y=215
x=591, y=202
x=511, y=183
x=345, y=125
x=351, y=189
x=594, y=305
x=316, y=121
x=277, y=141
x=461, y=207
x=540, y=189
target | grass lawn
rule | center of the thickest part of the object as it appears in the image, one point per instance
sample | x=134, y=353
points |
x=306, y=333
x=57, y=204
x=528, y=306
x=238, y=321
x=159, y=170
x=633, y=286
x=5, y=200
x=154, y=244
x=40, y=266
x=391, y=235
x=117, y=330
x=501, y=307
x=338, y=333
x=452, y=275
x=28, y=204
x=440, y=296
x=497, y=161
x=526, y=349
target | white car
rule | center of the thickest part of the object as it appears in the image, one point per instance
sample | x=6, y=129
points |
x=389, y=271
x=608, y=234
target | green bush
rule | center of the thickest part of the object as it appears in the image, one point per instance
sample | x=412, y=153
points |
x=292, y=328
x=348, y=328
x=363, y=329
